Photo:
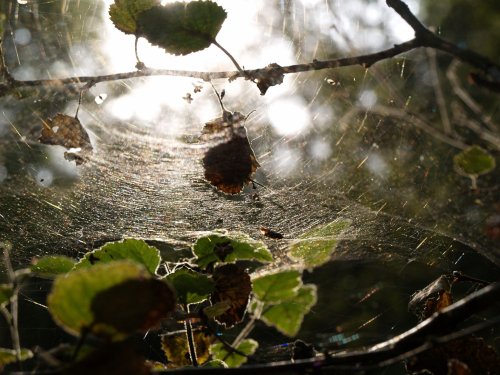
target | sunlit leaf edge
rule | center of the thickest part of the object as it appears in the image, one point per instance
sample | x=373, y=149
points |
x=245, y=248
x=287, y=316
x=247, y=346
x=182, y=28
x=70, y=299
x=135, y=250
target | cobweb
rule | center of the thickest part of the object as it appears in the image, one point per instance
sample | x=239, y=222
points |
x=368, y=145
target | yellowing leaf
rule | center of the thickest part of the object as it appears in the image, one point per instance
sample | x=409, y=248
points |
x=123, y=13
x=175, y=346
x=220, y=352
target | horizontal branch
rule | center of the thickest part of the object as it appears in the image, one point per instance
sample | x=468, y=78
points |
x=423, y=38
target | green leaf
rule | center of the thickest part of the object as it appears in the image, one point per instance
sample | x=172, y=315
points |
x=474, y=161
x=276, y=287
x=182, y=28
x=9, y=356
x=123, y=13
x=220, y=352
x=229, y=247
x=131, y=249
x=52, y=265
x=287, y=316
x=71, y=297
x=315, y=247
x=6, y=291
x=190, y=286
x=216, y=363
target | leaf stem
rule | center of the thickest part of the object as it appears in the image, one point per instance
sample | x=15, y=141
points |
x=214, y=42
x=190, y=339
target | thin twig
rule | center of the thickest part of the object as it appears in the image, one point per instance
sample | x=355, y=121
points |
x=438, y=91
x=12, y=315
x=190, y=339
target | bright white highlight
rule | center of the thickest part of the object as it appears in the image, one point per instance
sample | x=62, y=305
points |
x=289, y=115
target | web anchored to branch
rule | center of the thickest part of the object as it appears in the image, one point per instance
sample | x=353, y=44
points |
x=372, y=167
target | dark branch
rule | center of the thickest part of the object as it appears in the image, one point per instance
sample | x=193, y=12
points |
x=423, y=38
x=438, y=329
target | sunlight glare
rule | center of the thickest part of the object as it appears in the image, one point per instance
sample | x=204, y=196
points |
x=285, y=160
x=289, y=115
x=320, y=149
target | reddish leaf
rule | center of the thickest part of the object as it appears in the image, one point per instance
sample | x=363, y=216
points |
x=233, y=286
x=67, y=131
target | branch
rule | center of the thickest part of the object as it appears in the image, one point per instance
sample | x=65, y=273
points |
x=423, y=38
x=427, y=38
x=438, y=329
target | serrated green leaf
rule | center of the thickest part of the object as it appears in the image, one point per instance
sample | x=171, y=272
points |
x=277, y=287
x=220, y=352
x=474, y=161
x=230, y=247
x=315, y=247
x=72, y=294
x=131, y=249
x=9, y=356
x=182, y=28
x=287, y=316
x=52, y=265
x=190, y=286
x=123, y=13
x=6, y=292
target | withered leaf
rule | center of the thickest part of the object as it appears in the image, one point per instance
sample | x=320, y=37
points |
x=175, y=347
x=67, y=131
x=232, y=285
x=230, y=163
x=272, y=76
x=434, y=297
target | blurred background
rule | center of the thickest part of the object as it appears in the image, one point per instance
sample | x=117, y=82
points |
x=374, y=146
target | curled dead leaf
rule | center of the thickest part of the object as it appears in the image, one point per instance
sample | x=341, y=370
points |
x=233, y=286
x=230, y=163
x=67, y=131
x=434, y=297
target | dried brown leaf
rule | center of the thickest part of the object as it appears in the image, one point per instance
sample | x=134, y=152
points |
x=232, y=285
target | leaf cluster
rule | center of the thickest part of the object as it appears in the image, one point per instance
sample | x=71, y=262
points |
x=125, y=287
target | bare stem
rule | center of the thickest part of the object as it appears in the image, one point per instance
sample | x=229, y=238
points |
x=12, y=315
x=214, y=42
x=190, y=339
